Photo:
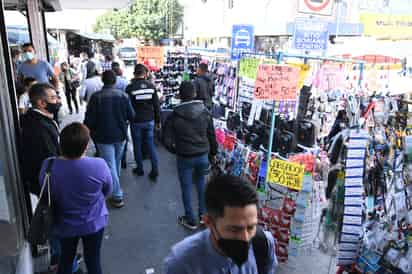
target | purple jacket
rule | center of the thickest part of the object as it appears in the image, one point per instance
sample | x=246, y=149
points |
x=78, y=189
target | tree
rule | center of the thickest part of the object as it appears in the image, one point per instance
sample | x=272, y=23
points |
x=151, y=20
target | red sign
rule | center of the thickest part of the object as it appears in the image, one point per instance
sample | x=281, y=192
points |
x=276, y=82
x=319, y=7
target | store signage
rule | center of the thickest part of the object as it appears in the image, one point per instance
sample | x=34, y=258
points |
x=310, y=35
x=248, y=67
x=318, y=7
x=276, y=82
x=387, y=26
x=243, y=40
x=287, y=174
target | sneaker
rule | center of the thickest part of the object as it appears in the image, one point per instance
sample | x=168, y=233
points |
x=117, y=203
x=201, y=222
x=153, y=175
x=138, y=172
x=184, y=222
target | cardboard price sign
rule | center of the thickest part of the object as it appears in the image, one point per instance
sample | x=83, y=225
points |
x=248, y=67
x=286, y=174
x=276, y=82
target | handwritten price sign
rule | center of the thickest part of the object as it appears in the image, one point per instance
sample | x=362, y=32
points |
x=287, y=174
x=276, y=82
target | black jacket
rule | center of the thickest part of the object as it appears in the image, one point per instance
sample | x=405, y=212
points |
x=205, y=89
x=145, y=101
x=40, y=140
x=189, y=130
x=107, y=116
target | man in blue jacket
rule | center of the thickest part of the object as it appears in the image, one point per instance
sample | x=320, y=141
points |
x=108, y=114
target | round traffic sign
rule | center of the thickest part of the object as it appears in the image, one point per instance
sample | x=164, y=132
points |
x=317, y=6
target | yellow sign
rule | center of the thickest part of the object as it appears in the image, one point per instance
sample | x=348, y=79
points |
x=304, y=70
x=387, y=26
x=286, y=174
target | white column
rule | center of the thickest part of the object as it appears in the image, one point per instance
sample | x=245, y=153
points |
x=37, y=28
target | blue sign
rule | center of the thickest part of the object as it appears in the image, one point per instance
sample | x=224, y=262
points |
x=243, y=40
x=310, y=35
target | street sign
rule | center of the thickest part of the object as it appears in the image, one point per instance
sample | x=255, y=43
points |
x=243, y=40
x=310, y=35
x=318, y=7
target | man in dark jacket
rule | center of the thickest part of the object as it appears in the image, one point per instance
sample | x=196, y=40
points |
x=204, y=85
x=145, y=102
x=190, y=126
x=107, y=117
x=40, y=133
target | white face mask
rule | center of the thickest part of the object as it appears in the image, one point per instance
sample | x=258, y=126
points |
x=28, y=56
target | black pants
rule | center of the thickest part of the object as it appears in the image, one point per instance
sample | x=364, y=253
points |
x=71, y=95
x=92, y=244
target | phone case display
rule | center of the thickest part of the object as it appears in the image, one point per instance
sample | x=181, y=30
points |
x=225, y=82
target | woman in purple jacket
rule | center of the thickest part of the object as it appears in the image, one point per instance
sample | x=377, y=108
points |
x=79, y=185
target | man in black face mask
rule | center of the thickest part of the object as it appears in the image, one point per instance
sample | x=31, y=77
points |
x=40, y=133
x=232, y=243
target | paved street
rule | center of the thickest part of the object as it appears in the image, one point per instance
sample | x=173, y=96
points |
x=140, y=235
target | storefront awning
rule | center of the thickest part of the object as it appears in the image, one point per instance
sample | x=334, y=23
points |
x=93, y=4
x=96, y=36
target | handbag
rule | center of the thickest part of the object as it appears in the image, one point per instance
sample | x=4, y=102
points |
x=42, y=221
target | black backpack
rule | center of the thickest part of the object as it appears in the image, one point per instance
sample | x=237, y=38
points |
x=261, y=250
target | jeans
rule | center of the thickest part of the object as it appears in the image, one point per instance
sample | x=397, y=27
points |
x=140, y=132
x=71, y=95
x=112, y=154
x=92, y=244
x=188, y=169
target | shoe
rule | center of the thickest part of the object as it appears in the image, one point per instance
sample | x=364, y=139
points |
x=153, y=175
x=184, y=222
x=201, y=222
x=117, y=203
x=138, y=172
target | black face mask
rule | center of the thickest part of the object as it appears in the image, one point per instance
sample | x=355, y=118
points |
x=53, y=107
x=237, y=250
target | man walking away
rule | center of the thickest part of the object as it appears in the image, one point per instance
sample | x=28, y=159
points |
x=190, y=127
x=204, y=85
x=107, y=64
x=107, y=117
x=232, y=242
x=40, y=133
x=121, y=81
x=146, y=105
x=68, y=77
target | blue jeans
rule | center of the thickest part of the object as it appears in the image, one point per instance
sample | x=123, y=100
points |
x=188, y=169
x=92, y=244
x=112, y=154
x=140, y=131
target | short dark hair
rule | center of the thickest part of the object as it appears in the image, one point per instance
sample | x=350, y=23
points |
x=116, y=68
x=27, y=81
x=38, y=92
x=203, y=67
x=228, y=191
x=74, y=139
x=26, y=45
x=109, y=78
x=140, y=70
x=108, y=58
x=187, y=91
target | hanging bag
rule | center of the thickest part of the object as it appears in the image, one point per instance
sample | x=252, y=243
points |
x=42, y=221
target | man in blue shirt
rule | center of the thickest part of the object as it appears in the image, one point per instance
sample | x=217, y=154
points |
x=40, y=70
x=228, y=245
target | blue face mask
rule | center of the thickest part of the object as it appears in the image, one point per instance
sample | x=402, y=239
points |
x=28, y=56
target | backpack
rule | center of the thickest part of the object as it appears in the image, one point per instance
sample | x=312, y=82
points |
x=261, y=250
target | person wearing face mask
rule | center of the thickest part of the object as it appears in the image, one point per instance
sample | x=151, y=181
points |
x=68, y=77
x=40, y=70
x=232, y=243
x=40, y=133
